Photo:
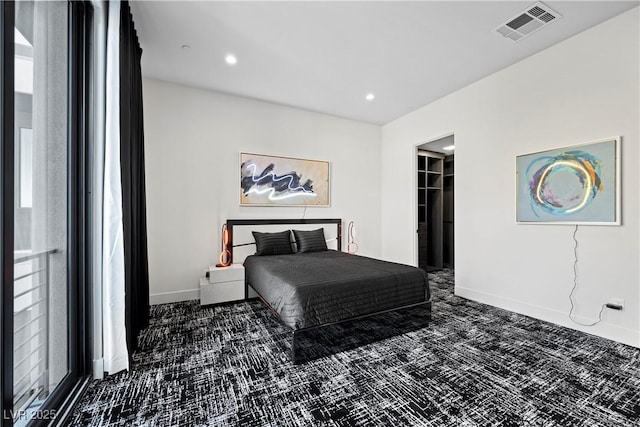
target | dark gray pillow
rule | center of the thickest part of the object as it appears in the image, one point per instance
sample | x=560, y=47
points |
x=273, y=243
x=310, y=241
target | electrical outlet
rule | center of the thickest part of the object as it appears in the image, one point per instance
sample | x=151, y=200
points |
x=617, y=301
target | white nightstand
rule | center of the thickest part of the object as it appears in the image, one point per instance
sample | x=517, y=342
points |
x=224, y=284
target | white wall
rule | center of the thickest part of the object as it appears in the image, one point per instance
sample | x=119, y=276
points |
x=193, y=139
x=583, y=89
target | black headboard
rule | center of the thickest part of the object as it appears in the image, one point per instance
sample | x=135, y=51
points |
x=231, y=223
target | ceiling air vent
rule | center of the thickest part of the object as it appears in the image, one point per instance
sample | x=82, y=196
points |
x=524, y=24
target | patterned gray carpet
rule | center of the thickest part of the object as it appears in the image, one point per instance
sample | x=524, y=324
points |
x=471, y=365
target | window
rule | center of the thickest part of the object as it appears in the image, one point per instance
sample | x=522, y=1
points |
x=42, y=206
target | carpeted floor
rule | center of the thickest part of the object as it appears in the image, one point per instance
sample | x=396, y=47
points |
x=471, y=365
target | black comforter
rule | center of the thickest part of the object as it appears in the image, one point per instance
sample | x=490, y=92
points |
x=323, y=287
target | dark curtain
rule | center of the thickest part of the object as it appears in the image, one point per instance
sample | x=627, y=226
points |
x=133, y=181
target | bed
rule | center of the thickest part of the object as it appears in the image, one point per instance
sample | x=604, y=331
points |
x=310, y=284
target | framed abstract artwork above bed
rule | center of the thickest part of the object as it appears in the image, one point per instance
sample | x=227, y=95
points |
x=283, y=181
x=572, y=185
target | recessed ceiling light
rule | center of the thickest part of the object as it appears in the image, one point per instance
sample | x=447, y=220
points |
x=449, y=148
x=370, y=97
x=231, y=59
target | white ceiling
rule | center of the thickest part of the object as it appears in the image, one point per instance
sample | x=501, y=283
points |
x=326, y=56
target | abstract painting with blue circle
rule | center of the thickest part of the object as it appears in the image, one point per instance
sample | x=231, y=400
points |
x=569, y=185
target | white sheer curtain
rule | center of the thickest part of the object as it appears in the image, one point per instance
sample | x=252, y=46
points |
x=116, y=356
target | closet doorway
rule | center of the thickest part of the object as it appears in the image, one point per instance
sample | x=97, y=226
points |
x=435, y=188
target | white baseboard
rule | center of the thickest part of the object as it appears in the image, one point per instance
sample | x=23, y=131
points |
x=605, y=330
x=177, y=296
